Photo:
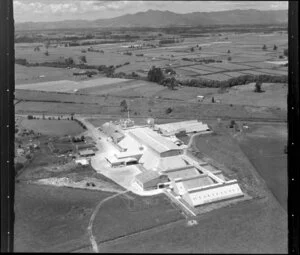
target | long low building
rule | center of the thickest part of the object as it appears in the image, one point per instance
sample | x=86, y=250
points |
x=155, y=142
x=191, y=126
x=212, y=193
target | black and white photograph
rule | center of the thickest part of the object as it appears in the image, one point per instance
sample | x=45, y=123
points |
x=150, y=126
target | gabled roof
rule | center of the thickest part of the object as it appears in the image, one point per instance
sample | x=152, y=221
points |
x=153, y=140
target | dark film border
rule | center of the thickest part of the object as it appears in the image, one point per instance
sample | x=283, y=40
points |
x=7, y=125
x=293, y=128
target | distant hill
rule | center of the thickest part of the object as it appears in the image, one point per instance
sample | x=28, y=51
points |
x=154, y=18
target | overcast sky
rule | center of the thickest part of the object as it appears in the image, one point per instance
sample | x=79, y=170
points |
x=57, y=10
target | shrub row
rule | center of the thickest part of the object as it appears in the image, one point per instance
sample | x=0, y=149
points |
x=241, y=80
x=80, y=123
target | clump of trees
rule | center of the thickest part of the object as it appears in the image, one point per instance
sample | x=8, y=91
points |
x=169, y=110
x=124, y=106
x=21, y=61
x=78, y=139
x=228, y=51
x=258, y=87
x=232, y=124
x=285, y=52
x=155, y=74
x=82, y=59
x=69, y=61
x=229, y=58
x=264, y=47
x=127, y=53
x=275, y=47
x=171, y=83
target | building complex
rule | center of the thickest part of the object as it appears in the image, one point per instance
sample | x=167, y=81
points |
x=163, y=161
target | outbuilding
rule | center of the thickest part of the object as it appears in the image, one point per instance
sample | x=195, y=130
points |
x=86, y=153
x=151, y=180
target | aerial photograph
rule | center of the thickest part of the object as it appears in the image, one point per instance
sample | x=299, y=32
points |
x=151, y=126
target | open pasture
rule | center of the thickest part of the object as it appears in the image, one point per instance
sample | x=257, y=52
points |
x=28, y=75
x=45, y=217
x=53, y=127
x=245, y=49
x=264, y=146
x=274, y=95
x=70, y=86
x=123, y=86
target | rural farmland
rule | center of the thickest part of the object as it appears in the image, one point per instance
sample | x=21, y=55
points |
x=152, y=131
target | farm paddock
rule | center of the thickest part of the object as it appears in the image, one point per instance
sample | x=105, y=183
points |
x=246, y=55
x=52, y=127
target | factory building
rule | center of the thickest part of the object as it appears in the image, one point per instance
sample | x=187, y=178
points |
x=155, y=142
x=191, y=126
x=163, y=162
x=150, y=180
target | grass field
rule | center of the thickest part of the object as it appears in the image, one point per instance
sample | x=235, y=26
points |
x=70, y=86
x=274, y=95
x=252, y=227
x=245, y=50
x=53, y=127
x=264, y=146
x=50, y=219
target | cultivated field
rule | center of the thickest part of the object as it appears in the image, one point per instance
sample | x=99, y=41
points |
x=245, y=52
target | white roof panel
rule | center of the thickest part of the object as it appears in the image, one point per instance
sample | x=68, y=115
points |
x=153, y=140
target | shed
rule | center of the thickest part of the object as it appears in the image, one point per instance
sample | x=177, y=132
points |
x=150, y=180
x=86, y=153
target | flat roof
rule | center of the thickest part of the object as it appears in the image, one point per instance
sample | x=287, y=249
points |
x=153, y=140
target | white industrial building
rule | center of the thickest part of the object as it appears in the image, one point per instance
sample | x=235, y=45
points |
x=212, y=193
x=161, y=161
x=191, y=126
